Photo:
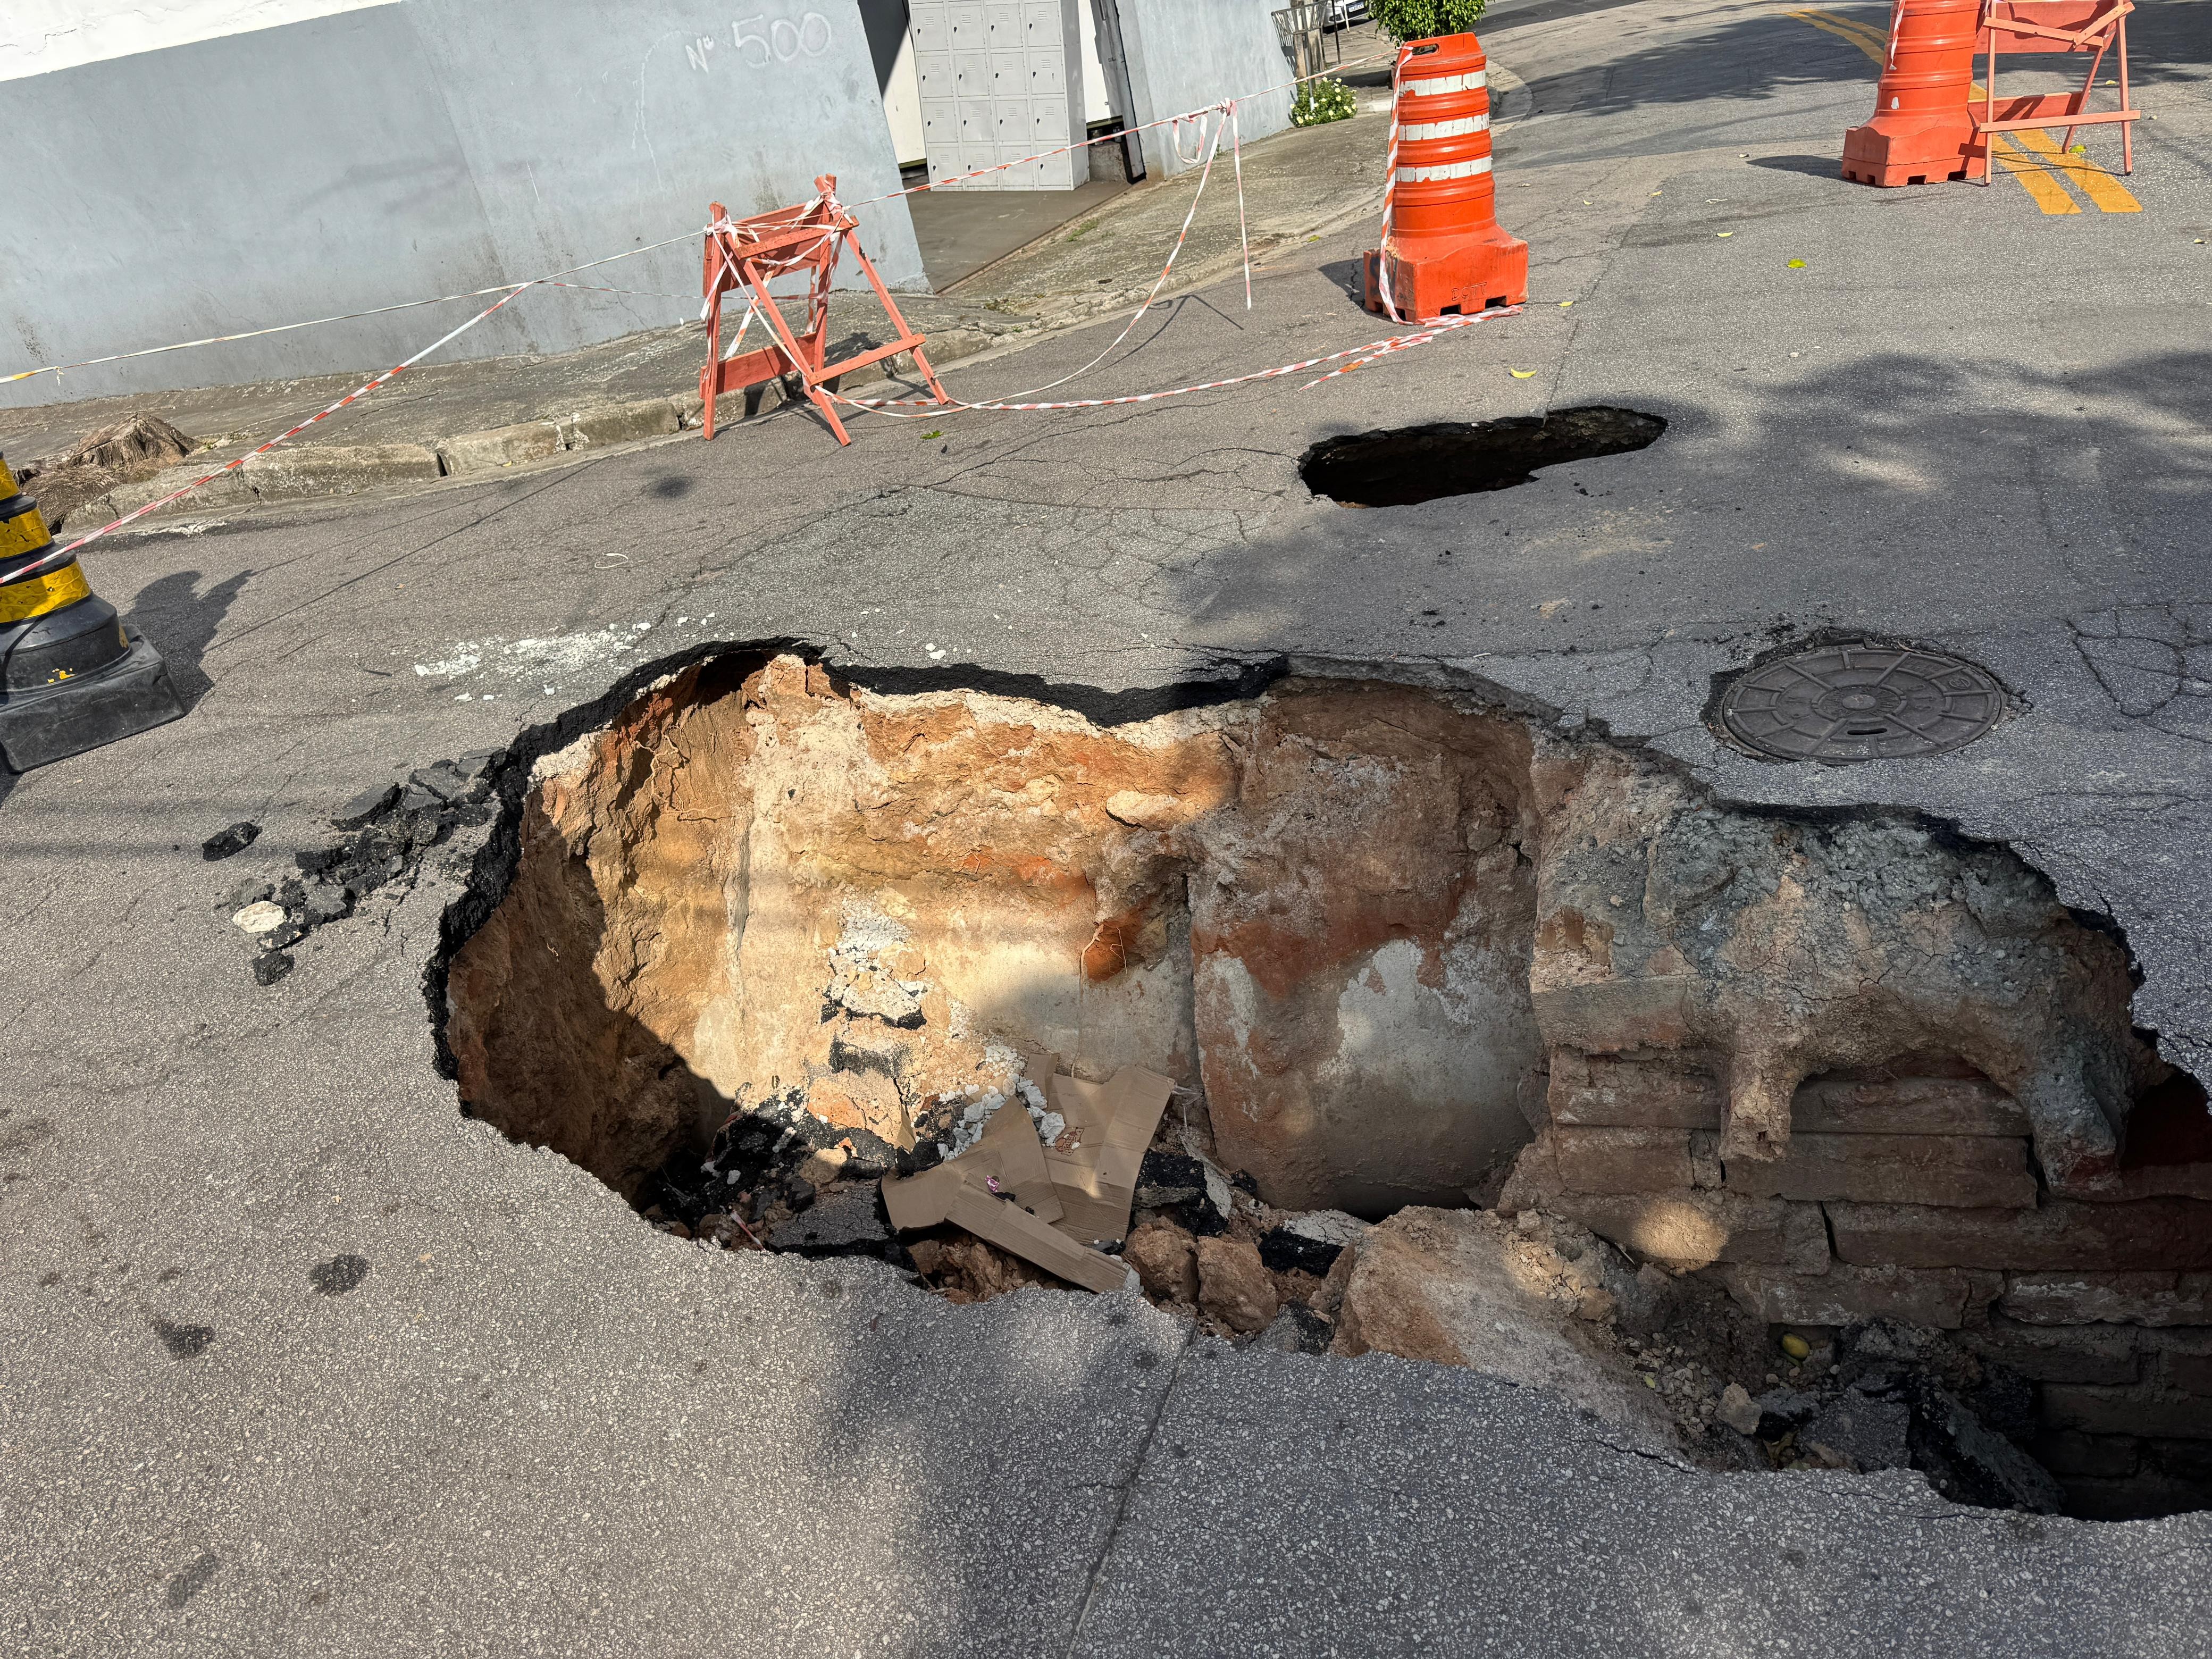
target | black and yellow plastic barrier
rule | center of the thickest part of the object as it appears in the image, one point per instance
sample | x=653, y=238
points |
x=72, y=678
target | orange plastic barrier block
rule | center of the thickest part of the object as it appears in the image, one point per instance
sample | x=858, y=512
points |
x=1444, y=252
x=1922, y=130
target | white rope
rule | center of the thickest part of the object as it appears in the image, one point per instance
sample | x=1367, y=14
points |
x=1243, y=236
x=510, y=288
x=1197, y=196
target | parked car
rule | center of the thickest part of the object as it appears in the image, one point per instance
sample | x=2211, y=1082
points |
x=1343, y=14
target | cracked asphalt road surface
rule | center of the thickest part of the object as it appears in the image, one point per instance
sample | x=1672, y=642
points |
x=532, y=1425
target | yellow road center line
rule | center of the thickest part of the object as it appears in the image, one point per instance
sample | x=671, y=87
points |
x=2085, y=175
x=2050, y=195
x=2049, y=161
x=2038, y=179
x=1876, y=42
x=1845, y=30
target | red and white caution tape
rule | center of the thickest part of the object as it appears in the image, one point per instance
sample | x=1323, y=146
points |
x=1243, y=236
x=778, y=264
x=1359, y=355
x=1210, y=148
x=1390, y=192
x=752, y=308
x=1207, y=150
x=1225, y=112
x=62, y=555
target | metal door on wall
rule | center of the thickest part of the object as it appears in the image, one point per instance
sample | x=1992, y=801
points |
x=891, y=50
x=1001, y=80
x=1114, y=70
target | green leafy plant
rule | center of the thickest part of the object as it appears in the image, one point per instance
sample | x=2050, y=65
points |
x=1322, y=100
x=1419, y=20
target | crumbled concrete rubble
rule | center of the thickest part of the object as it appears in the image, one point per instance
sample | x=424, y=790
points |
x=230, y=841
x=1539, y=1300
x=1538, y=1304
x=392, y=826
x=1547, y=1303
x=1666, y=1356
x=1885, y=1394
x=778, y=1177
x=123, y=452
x=1202, y=1244
x=1054, y=1183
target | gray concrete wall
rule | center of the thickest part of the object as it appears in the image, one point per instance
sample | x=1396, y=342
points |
x=1184, y=54
x=409, y=150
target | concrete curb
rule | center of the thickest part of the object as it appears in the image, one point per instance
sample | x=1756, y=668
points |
x=315, y=472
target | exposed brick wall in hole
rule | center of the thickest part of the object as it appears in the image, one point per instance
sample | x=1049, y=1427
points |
x=1928, y=1185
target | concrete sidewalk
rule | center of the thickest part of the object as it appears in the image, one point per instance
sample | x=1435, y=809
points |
x=536, y=1426
x=1295, y=185
x=961, y=231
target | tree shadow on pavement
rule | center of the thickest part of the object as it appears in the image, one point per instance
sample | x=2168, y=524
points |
x=1920, y=493
x=1758, y=54
x=1554, y=11
x=2166, y=41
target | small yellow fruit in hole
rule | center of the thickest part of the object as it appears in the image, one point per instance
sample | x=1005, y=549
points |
x=1795, y=1346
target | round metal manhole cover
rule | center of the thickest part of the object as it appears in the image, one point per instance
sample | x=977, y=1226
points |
x=1861, y=702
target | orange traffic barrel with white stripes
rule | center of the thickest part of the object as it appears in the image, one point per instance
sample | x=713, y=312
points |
x=72, y=676
x=1922, y=131
x=1442, y=252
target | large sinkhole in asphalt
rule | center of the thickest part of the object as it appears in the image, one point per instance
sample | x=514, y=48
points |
x=1410, y=463
x=1797, y=1143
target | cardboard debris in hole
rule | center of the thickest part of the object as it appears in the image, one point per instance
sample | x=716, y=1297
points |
x=1048, y=1204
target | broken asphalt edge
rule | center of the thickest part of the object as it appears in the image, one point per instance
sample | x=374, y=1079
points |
x=493, y=866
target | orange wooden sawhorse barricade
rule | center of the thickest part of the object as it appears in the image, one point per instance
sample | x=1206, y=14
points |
x=2036, y=26
x=750, y=254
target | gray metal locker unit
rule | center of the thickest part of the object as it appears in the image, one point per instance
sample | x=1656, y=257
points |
x=1000, y=79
